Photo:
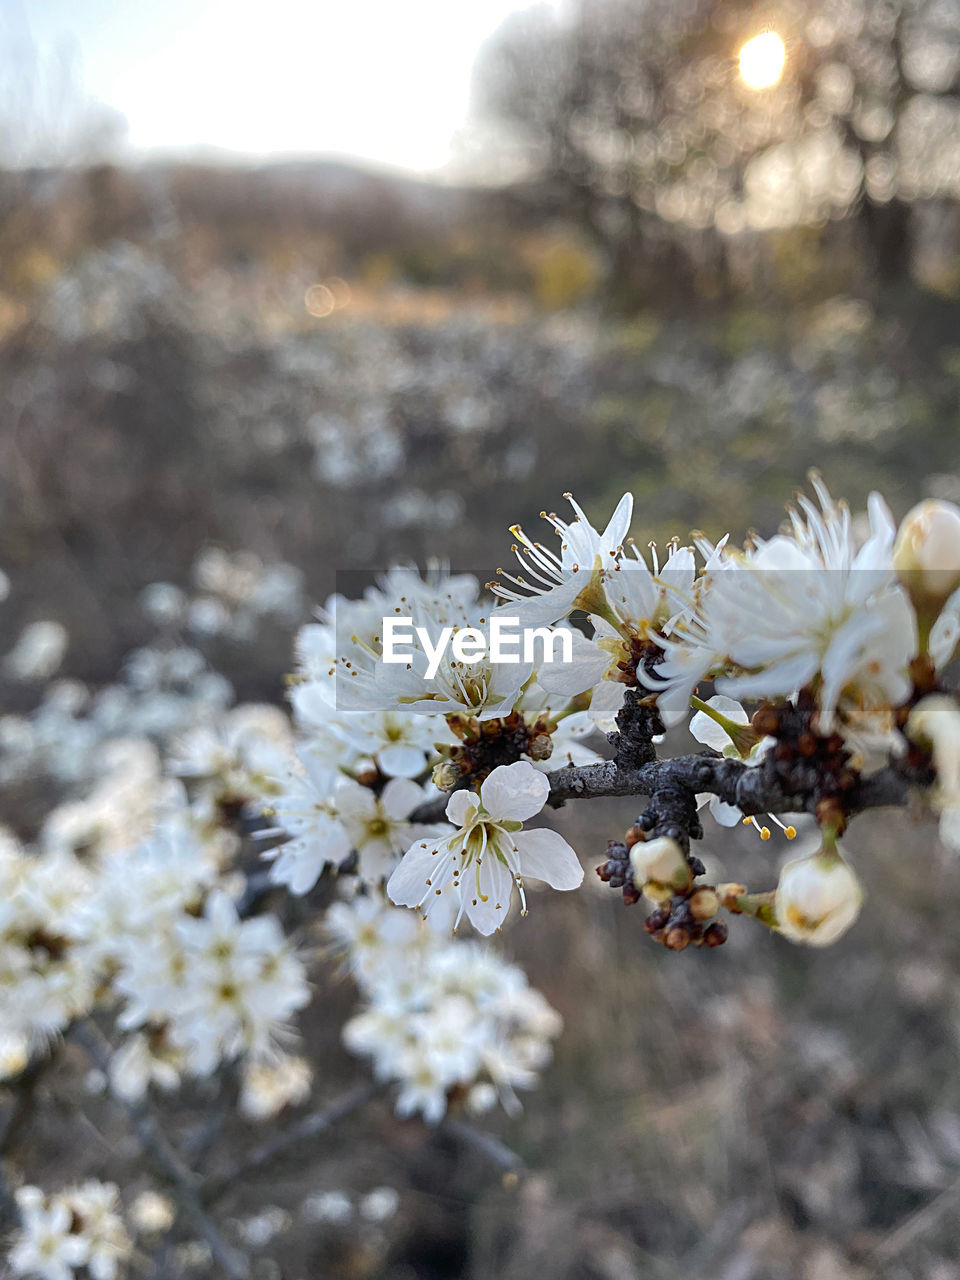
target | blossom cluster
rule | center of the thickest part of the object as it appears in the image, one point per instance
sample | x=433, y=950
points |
x=441, y=1017
x=835, y=633
x=233, y=594
x=407, y=804
x=73, y=1231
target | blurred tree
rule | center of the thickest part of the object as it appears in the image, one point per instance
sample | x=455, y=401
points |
x=46, y=117
x=634, y=120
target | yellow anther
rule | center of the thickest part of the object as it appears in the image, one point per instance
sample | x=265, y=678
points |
x=764, y=833
x=790, y=832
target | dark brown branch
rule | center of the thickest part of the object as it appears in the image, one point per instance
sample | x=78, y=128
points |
x=166, y=1162
x=305, y=1130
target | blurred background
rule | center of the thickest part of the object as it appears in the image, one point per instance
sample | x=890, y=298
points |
x=300, y=288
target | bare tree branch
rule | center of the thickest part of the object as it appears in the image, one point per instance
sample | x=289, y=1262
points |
x=304, y=1130
x=487, y=1144
x=165, y=1160
x=751, y=789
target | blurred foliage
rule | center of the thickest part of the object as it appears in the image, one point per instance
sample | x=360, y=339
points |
x=633, y=121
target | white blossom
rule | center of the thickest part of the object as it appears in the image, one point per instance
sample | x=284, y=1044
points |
x=551, y=586
x=489, y=852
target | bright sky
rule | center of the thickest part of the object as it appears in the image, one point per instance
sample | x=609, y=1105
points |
x=383, y=80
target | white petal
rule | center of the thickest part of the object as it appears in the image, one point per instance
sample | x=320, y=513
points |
x=781, y=679
x=516, y=791
x=545, y=855
x=462, y=807
x=400, y=761
x=408, y=883
x=606, y=703
x=400, y=797
x=496, y=885
x=707, y=731
x=618, y=528
x=728, y=815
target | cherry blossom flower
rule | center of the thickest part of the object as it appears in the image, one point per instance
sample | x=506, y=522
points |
x=558, y=584
x=489, y=853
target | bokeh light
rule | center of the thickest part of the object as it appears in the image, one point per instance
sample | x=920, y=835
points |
x=762, y=60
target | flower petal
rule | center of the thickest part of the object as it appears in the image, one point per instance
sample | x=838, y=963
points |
x=400, y=797
x=545, y=855
x=408, y=883
x=461, y=807
x=486, y=909
x=401, y=761
x=515, y=791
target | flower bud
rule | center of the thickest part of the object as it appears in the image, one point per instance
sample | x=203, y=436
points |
x=445, y=775
x=818, y=898
x=540, y=747
x=935, y=723
x=704, y=904
x=661, y=862
x=926, y=554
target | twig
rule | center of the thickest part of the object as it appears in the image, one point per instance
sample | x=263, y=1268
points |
x=305, y=1130
x=165, y=1160
x=752, y=790
x=489, y=1146
x=18, y=1114
x=915, y=1224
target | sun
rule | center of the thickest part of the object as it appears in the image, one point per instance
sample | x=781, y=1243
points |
x=762, y=60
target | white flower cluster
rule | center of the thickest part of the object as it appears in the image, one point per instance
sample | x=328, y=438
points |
x=234, y=594
x=218, y=987
x=841, y=623
x=164, y=692
x=197, y=988
x=441, y=1016
x=77, y=1230
x=361, y=722
x=127, y=902
x=45, y=979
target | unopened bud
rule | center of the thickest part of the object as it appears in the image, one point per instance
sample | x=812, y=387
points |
x=818, y=898
x=540, y=747
x=926, y=554
x=730, y=894
x=445, y=775
x=935, y=723
x=661, y=862
x=704, y=904
x=677, y=937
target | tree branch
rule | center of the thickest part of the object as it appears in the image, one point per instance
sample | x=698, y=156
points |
x=487, y=1144
x=305, y=1130
x=165, y=1160
x=752, y=789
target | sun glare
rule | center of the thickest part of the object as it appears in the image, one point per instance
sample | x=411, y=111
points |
x=762, y=60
